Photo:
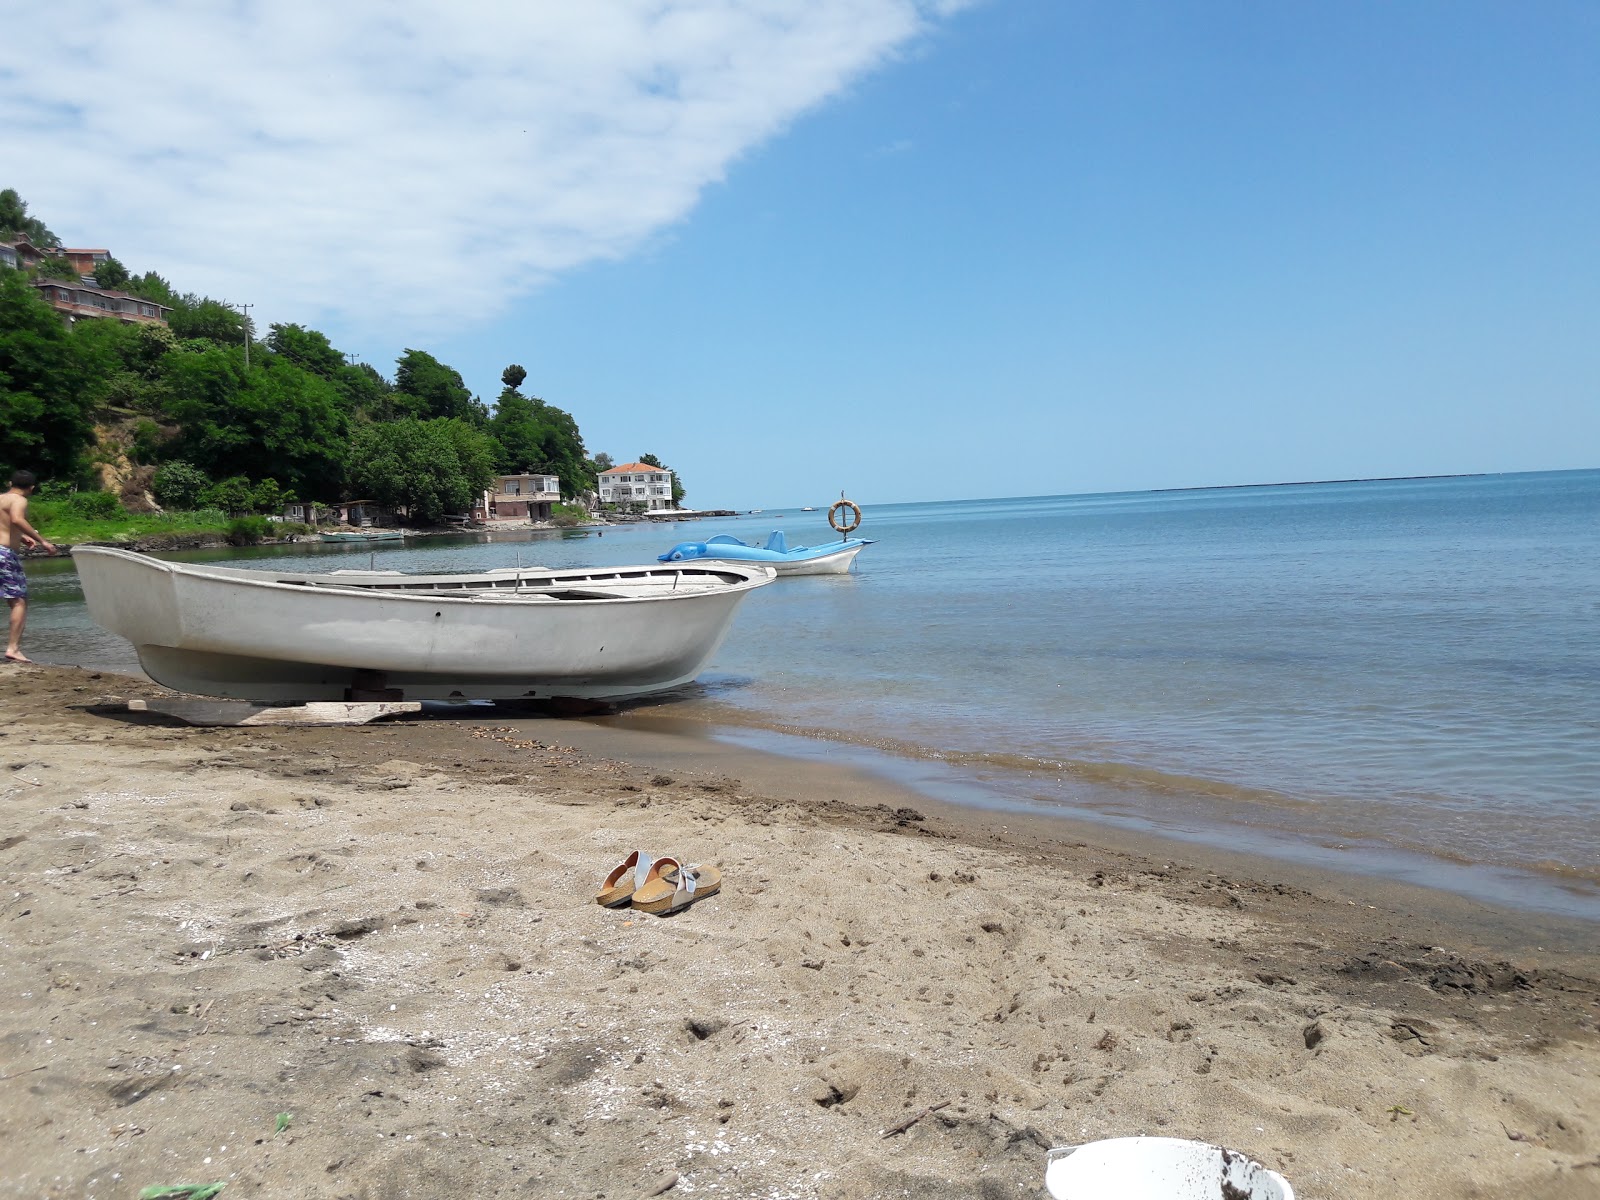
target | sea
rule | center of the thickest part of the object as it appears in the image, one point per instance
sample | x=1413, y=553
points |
x=1397, y=678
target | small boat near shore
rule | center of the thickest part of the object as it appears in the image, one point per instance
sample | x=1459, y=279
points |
x=830, y=558
x=516, y=633
x=361, y=537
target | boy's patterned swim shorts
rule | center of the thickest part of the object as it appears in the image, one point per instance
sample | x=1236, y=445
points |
x=13, y=583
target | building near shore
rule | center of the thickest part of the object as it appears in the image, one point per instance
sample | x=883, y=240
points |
x=637, y=484
x=530, y=496
x=361, y=513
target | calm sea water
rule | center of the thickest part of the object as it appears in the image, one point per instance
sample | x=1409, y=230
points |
x=1400, y=676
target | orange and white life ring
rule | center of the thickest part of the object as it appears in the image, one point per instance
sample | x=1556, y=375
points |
x=855, y=516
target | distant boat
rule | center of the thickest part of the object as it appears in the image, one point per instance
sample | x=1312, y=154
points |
x=830, y=558
x=363, y=536
x=808, y=508
x=512, y=634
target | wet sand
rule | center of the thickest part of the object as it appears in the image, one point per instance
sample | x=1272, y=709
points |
x=389, y=933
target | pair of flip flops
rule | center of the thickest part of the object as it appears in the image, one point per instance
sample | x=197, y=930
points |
x=661, y=886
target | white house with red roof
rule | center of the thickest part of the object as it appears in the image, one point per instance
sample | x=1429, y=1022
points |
x=637, y=483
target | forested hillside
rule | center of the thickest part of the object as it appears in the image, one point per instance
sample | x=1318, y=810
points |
x=201, y=412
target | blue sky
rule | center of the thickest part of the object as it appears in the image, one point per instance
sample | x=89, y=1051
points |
x=934, y=250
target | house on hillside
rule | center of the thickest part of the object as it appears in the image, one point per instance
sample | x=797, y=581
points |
x=529, y=496
x=637, y=484
x=20, y=254
x=76, y=300
x=84, y=262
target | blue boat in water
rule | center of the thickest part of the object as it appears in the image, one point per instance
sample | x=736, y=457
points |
x=830, y=558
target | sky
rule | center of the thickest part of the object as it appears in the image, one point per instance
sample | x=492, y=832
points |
x=906, y=249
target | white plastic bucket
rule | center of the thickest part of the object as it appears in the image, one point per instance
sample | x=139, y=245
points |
x=1154, y=1168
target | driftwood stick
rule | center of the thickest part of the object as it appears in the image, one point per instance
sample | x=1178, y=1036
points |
x=905, y=1124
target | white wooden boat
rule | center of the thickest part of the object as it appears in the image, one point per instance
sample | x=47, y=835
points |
x=524, y=633
x=361, y=537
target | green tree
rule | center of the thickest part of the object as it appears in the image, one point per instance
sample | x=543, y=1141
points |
x=365, y=392
x=14, y=220
x=111, y=274
x=57, y=268
x=125, y=391
x=232, y=496
x=513, y=376
x=147, y=441
x=151, y=344
x=202, y=317
x=268, y=497
x=476, y=452
x=122, y=364
x=533, y=435
x=601, y=462
x=306, y=348
x=362, y=390
x=45, y=416
x=102, y=347
x=517, y=432
x=274, y=418
x=304, y=430
x=425, y=388
x=179, y=485
x=417, y=465
x=151, y=286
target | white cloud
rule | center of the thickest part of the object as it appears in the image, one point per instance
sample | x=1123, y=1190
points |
x=405, y=164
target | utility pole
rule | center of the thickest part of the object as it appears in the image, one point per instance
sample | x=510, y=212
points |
x=244, y=310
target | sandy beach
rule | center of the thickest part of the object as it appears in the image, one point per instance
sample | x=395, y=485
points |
x=388, y=933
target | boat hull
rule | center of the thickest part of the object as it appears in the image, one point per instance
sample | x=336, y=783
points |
x=831, y=559
x=361, y=539
x=287, y=637
x=837, y=563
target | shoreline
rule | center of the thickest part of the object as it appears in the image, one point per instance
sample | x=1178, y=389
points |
x=210, y=539
x=1563, y=899
x=389, y=932
x=1562, y=893
x=667, y=742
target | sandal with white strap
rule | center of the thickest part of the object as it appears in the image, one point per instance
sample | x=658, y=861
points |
x=627, y=878
x=672, y=887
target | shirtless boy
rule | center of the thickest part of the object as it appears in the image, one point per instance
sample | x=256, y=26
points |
x=16, y=534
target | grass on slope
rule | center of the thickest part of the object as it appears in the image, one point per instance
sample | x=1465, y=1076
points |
x=59, y=521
